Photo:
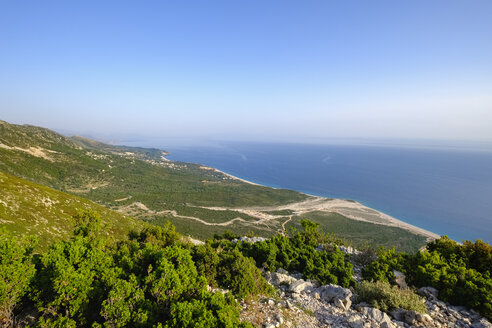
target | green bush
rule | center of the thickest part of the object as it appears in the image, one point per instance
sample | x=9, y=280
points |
x=240, y=274
x=382, y=268
x=16, y=272
x=297, y=252
x=150, y=280
x=383, y=296
x=461, y=273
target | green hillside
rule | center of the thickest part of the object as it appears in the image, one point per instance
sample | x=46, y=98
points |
x=27, y=208
x=139, y=182
x=133, y=180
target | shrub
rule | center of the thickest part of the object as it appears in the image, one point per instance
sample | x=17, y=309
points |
x=382, y=268
x=461, y=273
x=150, y=280
x=16, y=272
x=383, y=296
x=298, y=253
x=240, y=274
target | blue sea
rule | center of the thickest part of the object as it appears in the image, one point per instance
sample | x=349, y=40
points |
x=446, y=191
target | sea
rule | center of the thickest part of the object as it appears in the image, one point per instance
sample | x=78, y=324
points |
x=445, y=190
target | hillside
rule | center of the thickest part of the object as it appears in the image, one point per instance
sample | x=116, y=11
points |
x=199, y=200
x=27, y=208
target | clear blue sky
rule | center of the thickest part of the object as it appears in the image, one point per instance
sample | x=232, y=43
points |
x=250, y=69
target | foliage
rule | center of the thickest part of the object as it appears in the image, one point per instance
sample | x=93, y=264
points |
x=148, y=280
x=461, y=273
x=382, y=268
x=297, y=252
x=240, y=274
x=32, y=209
x=359, y=233
x=382, y=295
x=16, y=272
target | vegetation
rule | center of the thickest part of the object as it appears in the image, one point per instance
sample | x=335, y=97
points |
x=297, y=252
x=16, y=273
x=140, y=183
x=360, y=234
x=27, y=208
x=152, y=278
x=149, y=280
x=383, y=296
x=461, y=273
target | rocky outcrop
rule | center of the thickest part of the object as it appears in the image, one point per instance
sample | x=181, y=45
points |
x=339, y=296
x=303, y=303
x=251, y=240
x=276, y=278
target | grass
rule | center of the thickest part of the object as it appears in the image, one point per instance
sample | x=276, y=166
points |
x=385, y=297
x=29, y=208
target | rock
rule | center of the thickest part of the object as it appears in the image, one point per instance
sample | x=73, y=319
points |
x=251, y=240
x=429, y=292
x=344, y=305
x=398, y=314
x=282, y=271
x=299, y=286
x=297, y=275
x=380, y=317
x=424, y=320
x=349, y=250
x=277, y=279
x=400, y=279
x=355, y=322
x=482, y=323
x=410, y=317
x=340, y=296
x=279, y=319
x=329, y=292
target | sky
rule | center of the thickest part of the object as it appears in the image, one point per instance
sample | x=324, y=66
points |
x=249, y=70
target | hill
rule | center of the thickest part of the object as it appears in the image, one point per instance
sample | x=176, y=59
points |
x=199, y=200
x=27, y=208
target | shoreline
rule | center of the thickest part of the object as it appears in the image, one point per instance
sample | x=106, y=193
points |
x=351, y=209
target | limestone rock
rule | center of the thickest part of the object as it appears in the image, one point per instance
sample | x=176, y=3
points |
x=482, y=323
x=299, y=286
x=398, y=314
x=400, y=279
x=277, y=279
x=380, y=317
x=429, y=292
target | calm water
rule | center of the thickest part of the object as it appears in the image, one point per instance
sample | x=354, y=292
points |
x=445, y=191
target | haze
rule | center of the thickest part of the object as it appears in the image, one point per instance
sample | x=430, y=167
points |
x=252, y=70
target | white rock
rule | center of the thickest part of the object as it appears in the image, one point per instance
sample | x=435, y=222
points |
x=340, y=296
x=299, y=286
x=400, y=279
x=380, y=317
x=277, y=279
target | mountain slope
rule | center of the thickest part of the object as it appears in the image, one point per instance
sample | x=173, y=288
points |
x=132, y=180
x=29, y=208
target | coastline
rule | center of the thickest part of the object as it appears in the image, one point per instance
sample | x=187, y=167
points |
x=348, y=208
